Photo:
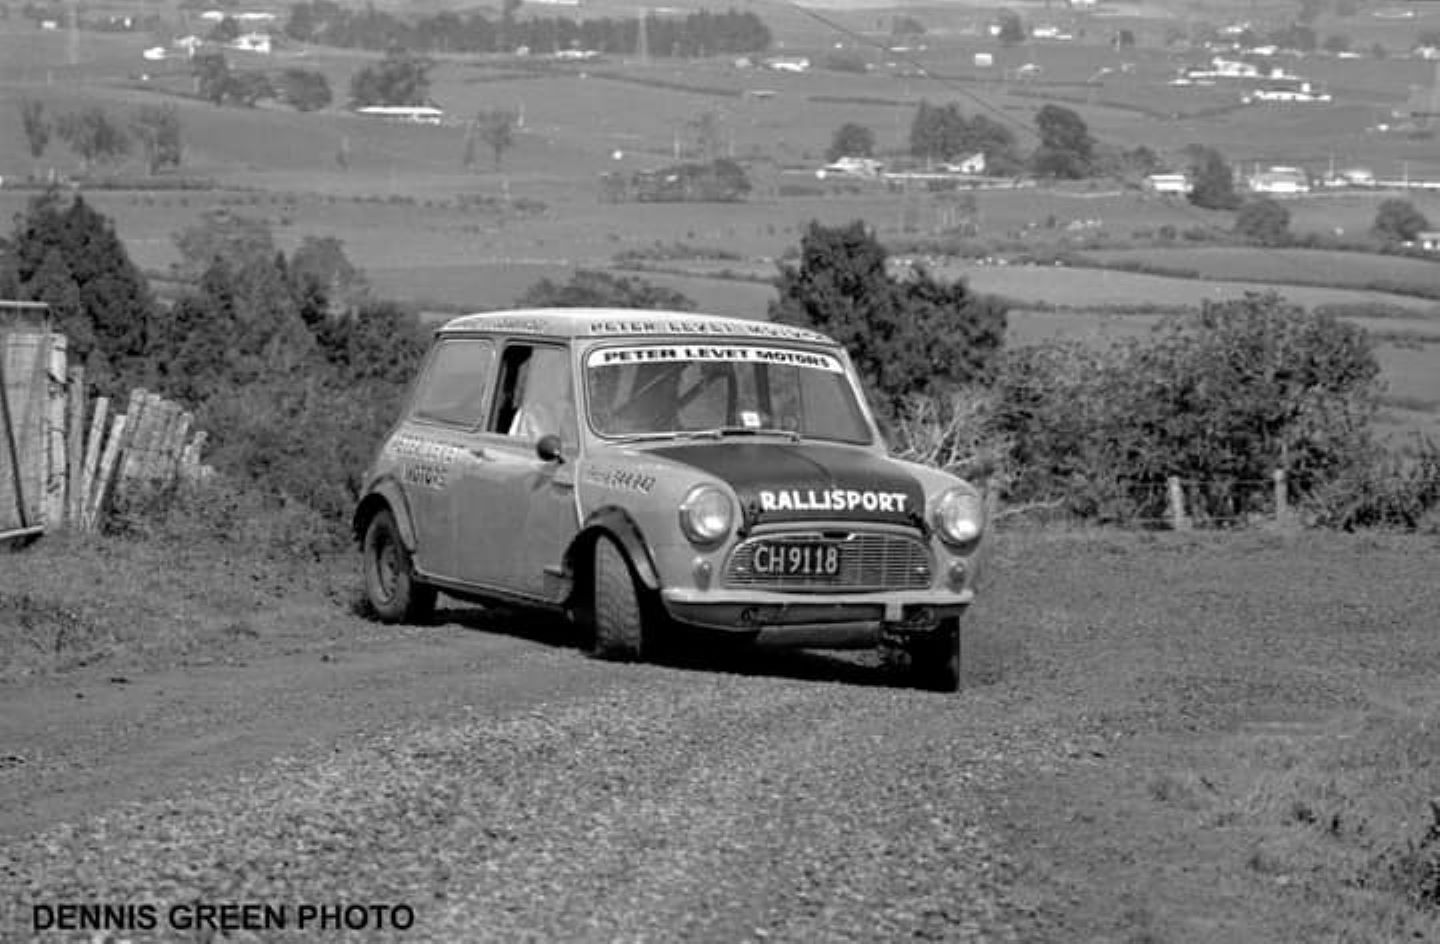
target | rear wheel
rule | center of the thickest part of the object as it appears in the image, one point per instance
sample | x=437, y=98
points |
x=391, y=587
x=621, y=622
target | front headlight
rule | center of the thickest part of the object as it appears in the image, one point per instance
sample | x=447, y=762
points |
x=706, y=514
x=958, y=515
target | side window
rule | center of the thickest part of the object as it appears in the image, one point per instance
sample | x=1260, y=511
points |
x=455, y=387
x=535, y=395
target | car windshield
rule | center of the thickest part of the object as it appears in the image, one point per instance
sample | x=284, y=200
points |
x=641, y=390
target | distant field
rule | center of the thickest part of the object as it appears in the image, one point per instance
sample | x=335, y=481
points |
x=1298, y=266
x=1095, y=288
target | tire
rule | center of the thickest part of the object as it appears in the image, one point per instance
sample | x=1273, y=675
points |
x=620, y=620
x=391, y=587
x=931, y=660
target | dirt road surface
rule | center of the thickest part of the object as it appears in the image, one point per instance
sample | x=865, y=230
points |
x=483, y=780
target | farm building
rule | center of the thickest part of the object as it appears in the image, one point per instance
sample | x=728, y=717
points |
x=424, y=114
x=1280, y=180
x=1169, y=184
x=1288, y=93
x=1428, y=240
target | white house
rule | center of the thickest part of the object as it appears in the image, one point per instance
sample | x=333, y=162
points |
x=1280, y=180
x=252, y=42
x=851, y=167
x=974, y=165
x=1234, y=68
x=154, y=54
x=1428, y=240
x=788, y=64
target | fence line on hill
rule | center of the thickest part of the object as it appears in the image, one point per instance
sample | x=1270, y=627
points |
x=63, y=459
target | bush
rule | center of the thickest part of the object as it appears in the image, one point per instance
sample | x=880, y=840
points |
x=1219, y=399
x=1383, y=490
x=219, y=510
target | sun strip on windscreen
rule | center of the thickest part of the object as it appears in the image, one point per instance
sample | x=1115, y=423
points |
x=743, y=353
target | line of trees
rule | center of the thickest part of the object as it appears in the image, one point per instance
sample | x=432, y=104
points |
x=97, y=138
x=701, y=33
x=1066, y=148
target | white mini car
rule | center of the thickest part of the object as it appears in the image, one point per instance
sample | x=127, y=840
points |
x=643, y=472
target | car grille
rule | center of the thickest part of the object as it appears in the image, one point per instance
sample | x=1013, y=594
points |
x=868, y=561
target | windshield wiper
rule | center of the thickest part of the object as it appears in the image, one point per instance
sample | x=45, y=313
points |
x=647, y=437
x=720, y=432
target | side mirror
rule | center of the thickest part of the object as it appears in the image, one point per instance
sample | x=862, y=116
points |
x=547, y=447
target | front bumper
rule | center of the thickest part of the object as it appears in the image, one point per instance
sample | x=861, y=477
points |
x=822, y=621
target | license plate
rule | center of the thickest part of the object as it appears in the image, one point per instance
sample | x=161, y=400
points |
x=796, y=559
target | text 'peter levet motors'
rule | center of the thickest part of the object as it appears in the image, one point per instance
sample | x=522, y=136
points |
x=220, y=917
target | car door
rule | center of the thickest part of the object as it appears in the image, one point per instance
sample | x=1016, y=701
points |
x=521, y=510
x=450, y=406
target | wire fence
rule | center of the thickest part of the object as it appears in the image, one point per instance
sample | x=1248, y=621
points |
x=1183, y=504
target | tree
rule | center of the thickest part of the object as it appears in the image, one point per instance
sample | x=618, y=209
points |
x=1012, y=28
x=1066, y=148
x=496, y=127
x=37, y=127
x=851, y=140
x=92, y=135
x=589, y=288
x=158, y=129
x=221, y=236
x=212, y=76
x=226, y=31
x=399, y=79
x=942, y=133
x=324, y=280
x=1213, y=181
x=1264, y=221
x=68, y=253
x=304, y=89
x=905, y=25
x=1397, y=221
x=248, y=88
x=906, y=337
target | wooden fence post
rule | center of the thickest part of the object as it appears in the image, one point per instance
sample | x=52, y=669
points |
x=75, y=448
x=103, y=474
x=92, y=459
x=1282, y=498
x=1178, y=521
x=56, y=394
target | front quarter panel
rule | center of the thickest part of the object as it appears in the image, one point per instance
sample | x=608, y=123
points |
x=648, y=490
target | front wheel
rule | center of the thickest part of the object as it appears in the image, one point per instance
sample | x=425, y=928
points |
x=931, y=660
x=620, y=617
x=391, y=587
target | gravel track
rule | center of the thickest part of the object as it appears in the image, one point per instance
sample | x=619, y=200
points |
x=671, y=805
x=505, y=787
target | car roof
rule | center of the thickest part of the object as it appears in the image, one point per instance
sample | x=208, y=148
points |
x=626, y=323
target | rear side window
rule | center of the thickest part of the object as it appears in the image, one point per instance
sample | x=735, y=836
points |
x=455, y=387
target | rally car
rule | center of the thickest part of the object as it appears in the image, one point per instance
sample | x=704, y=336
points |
x=649, y=473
